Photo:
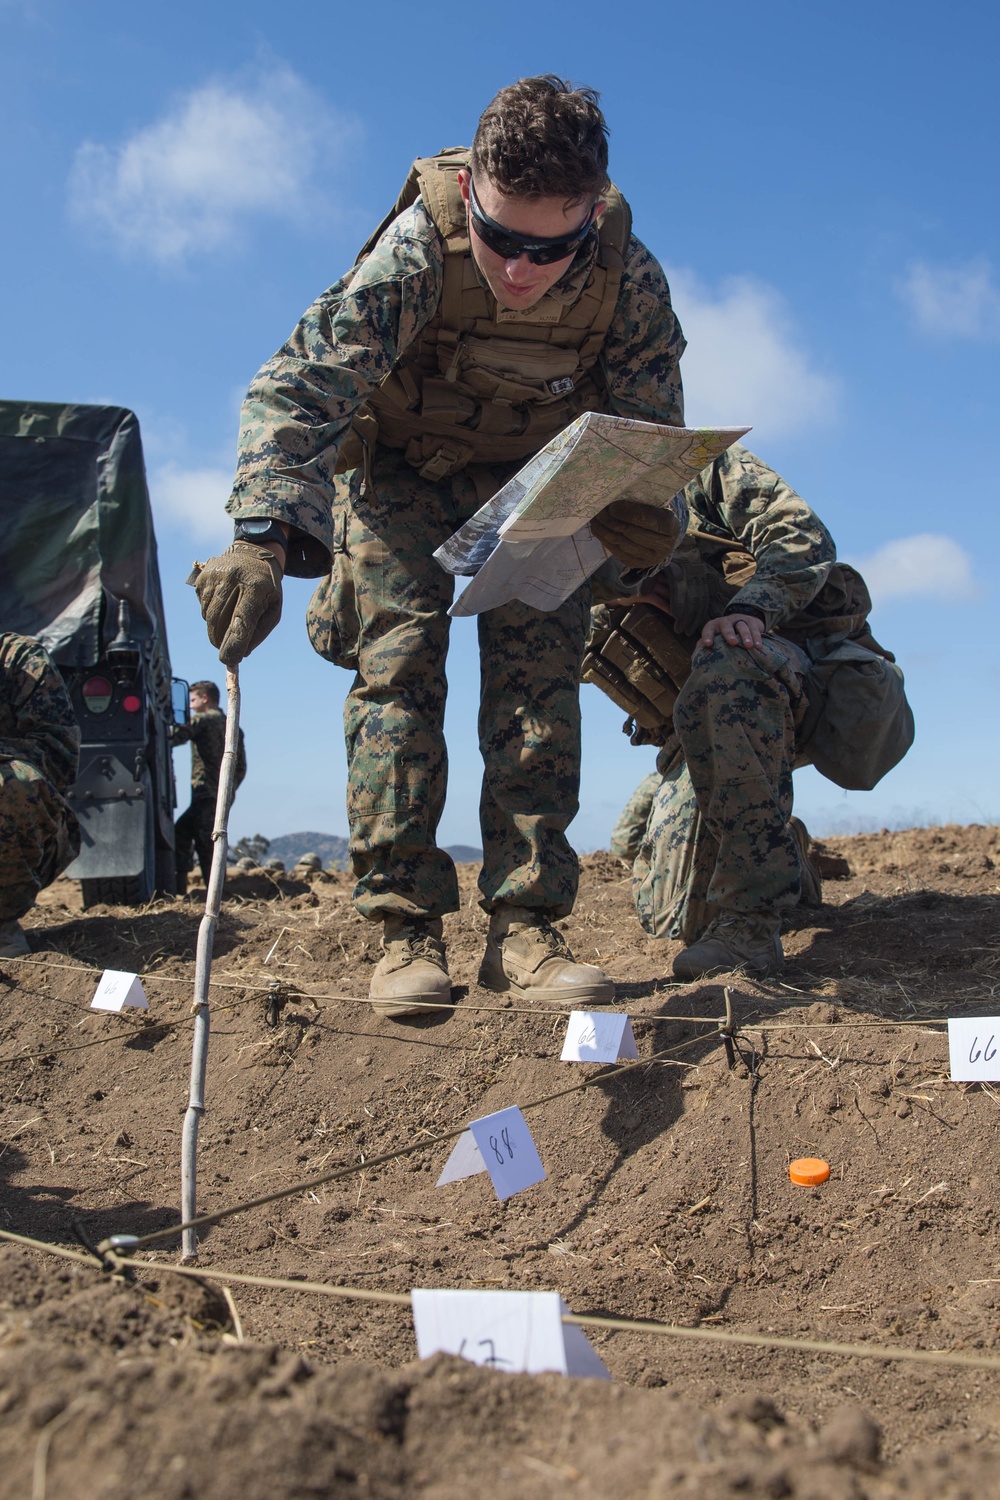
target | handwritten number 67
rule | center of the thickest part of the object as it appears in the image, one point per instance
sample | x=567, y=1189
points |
x=984, y=1052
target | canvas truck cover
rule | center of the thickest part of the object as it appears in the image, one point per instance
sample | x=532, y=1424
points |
x=77, y=528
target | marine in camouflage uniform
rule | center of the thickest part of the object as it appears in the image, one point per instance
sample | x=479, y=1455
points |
x=628, y=832
x=719, y=860
x=39, y=756
x=383, y=609
x=206, y=734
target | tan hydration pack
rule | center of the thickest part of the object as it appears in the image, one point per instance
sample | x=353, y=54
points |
x=484, y=384
x=858, y=723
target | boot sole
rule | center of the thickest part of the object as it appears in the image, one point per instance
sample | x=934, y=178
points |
x=759, y=971
x=414, y=1007
x=593, y=995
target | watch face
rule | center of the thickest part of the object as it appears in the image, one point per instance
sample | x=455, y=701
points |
x=255, y=527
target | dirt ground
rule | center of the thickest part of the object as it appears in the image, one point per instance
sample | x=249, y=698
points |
x=667, y=1197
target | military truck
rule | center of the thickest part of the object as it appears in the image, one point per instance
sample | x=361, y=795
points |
x=78, y=570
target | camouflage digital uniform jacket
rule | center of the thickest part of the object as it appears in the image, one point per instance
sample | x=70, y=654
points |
x=302, y=401
x=737, y=498
x=207, y=736
x=39, y=755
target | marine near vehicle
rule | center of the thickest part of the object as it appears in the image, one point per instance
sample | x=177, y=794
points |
x=78, y=571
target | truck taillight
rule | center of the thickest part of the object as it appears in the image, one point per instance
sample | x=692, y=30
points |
x=131, y=704
x=97, y=694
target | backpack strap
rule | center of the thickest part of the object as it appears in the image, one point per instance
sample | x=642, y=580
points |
x=435, y=179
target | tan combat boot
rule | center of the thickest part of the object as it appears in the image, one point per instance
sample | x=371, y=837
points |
x=812, y=884
x=730, y=942
x=413, y=975
x=528, y=957
x=13, y=942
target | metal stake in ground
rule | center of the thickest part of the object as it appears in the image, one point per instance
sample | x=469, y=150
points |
x=203, y=969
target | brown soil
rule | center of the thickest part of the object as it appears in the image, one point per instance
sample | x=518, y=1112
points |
x=667, y=1198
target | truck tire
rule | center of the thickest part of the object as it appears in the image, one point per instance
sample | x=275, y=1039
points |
x=166, y=873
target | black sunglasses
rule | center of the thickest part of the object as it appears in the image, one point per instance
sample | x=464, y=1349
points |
x=509, y=245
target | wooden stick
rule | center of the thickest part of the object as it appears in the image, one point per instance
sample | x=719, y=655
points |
x=203, y=969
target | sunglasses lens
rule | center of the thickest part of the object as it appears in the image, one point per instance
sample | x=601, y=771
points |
x=551, y=253
x=510, y=246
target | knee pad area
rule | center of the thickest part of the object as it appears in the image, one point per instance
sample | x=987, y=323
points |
x=720, y=675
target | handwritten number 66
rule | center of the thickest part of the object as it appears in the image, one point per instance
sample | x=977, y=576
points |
x=984, y=1052
x=506, y=1141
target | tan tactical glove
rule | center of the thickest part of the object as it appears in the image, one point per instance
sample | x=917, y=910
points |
x=640, y=536
x=240, y=597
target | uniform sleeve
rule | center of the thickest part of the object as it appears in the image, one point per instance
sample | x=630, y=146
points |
x=202, y=733
x=739, y=496
x=641, y=355
x=39, y=724
x=301, y=402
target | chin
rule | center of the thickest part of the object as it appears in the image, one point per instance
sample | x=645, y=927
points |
x=506, y=300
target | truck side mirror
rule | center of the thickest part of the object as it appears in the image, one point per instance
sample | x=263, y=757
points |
x=180, y=701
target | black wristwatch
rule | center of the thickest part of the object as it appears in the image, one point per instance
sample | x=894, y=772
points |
x=260, y=529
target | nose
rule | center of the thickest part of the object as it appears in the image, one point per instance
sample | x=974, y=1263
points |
x=519, y=270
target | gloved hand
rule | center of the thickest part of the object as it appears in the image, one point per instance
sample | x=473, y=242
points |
x=240, y=597
x=640, y=536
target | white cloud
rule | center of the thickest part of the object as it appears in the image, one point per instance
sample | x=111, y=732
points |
x=193, y=500
x=929, y=564
x=744, y=362
x=190, y=183
x=953, y=301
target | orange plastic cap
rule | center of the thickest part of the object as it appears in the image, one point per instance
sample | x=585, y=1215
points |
x=809, y=1171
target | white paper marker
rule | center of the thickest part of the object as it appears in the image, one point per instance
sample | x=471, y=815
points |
x=518, y=1332
x=500, y=1144
x=598, y=1036
x=974, y=1048
x=118, y=989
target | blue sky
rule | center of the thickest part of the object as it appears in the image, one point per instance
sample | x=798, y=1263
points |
x=820, y=182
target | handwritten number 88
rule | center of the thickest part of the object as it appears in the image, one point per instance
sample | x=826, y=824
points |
x=495, y=1145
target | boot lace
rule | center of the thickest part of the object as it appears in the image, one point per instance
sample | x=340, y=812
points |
x=550, y=937
x=415, y=941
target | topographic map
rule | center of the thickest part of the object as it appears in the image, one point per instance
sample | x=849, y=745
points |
x=532, y=541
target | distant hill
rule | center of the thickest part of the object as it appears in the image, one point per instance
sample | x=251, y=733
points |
x=464, y=854
x=332, y=850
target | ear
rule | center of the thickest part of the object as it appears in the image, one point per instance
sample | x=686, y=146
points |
x=599, y=207
x=464, y=177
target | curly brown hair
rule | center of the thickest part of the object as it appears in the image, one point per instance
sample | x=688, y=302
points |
x=543, y=138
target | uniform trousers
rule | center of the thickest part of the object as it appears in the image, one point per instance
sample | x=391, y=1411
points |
x=39, y=836
x=717, y=839
x=193, y=831
x=392, y=601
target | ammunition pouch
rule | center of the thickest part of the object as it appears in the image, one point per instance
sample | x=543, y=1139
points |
x=635, y=655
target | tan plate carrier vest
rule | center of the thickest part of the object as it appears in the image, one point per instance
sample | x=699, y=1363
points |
x=483, y=384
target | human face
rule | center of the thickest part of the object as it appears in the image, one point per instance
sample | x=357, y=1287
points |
x=199, y=702
x=516, y=282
